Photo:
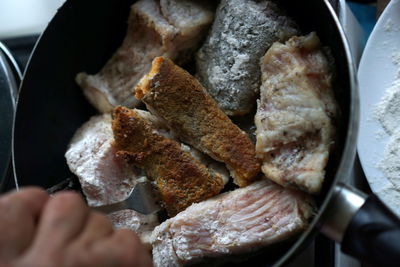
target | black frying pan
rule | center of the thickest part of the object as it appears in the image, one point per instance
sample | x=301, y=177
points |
x=82, y=37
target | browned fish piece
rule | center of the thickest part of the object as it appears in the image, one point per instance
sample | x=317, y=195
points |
x=295, y=129
x=180, y=178
x=104, y=178
x=177, y=97
x=172, y=28
x=236, y=222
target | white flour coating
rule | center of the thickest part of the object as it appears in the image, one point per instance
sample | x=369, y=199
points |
x=396, y=58
x=390, y=165
x=91, y=157
x=387, y=113
x=104, y=178
x=380, y=134
x=390, y=26
x=139, y=223
x=227, y=64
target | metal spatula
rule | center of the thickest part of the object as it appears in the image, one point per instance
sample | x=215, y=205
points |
x=141, y=199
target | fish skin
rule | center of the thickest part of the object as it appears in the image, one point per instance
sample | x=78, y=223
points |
x=227, y=63
x=236, y=222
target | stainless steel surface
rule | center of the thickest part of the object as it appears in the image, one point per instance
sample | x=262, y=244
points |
x=14, y=65
x=141, y=199
x=355, y=35
x=354, y=32
x=8, y=87
x=357, y=180
x=341, y=210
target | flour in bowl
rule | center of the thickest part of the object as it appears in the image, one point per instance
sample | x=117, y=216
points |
x=387, y=112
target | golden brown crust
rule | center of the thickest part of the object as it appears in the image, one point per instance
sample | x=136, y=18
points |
x=174, y=95
x=180, y=178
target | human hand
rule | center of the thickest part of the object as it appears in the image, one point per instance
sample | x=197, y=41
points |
x=38, y=230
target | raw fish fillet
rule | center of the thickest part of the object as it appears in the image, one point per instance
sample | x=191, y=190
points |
x=227, y=63
x=170, y=28
x=239, y=221
x=104, y=178
x=296, y=112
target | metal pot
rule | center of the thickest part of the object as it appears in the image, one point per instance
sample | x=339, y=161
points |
x=82, y=36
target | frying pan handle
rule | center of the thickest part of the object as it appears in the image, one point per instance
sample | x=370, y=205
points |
x=367, y=229
x=374, y=234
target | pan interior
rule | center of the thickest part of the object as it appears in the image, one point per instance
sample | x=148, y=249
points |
x=82, y=37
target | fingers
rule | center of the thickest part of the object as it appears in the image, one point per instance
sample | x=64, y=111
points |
x=63, y=218
x=98, y=227
x=115, y=248
x=123, y=248
x=67, y=232
x=19, y=215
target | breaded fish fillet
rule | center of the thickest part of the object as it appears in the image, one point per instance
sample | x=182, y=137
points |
x=171, y=28
x=177, y=97
x=296, y=112
x=161, y=128
x=104, y=178
x=239, y=221
x=227, y=63
x=180, y=178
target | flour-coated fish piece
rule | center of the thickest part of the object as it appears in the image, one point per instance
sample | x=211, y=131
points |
x=296, y=113
x=170, y=28
x=227, y=63
x=236, y=222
